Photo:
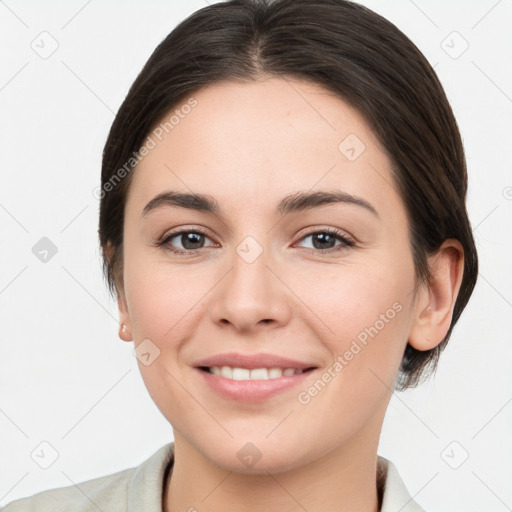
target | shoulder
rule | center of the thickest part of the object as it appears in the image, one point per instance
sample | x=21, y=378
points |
x=141, y=487
x=99, y=493
x=395, y=495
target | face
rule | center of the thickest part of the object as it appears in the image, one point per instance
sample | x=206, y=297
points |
x=326, y=284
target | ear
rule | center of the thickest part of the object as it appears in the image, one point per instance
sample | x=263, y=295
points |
x=436, y=300
x=124, y=315
x=125, y=329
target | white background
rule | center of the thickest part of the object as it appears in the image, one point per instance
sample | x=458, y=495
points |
x=65, y=376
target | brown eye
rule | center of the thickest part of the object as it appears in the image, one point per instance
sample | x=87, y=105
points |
x=328, y=241
x=190, y=242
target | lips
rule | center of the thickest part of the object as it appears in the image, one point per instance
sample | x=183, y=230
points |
x=252, y=361
x=242, y=377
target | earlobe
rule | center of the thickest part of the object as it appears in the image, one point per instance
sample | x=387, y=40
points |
x=435, y=306
x=124, y=317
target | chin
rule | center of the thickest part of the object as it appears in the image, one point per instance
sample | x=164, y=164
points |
x=258, y=456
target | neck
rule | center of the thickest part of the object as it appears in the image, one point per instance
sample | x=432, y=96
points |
x=343, y=479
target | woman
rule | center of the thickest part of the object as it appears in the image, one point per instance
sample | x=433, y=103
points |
x=283, y=224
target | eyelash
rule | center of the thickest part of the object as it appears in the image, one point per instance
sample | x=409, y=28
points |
x=346, y=241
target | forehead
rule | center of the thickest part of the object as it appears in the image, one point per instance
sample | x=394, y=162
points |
x=259, y=139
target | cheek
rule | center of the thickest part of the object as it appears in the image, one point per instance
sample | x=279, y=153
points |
x=160, y=296
x=349, y=299
x=369, y=316
x=361, y=314
x=340, y=303
x=163, y=303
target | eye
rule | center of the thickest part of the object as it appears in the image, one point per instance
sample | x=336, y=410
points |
x=325, y=240
x=191, y=241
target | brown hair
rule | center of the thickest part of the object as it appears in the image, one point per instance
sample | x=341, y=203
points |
x=348, y=49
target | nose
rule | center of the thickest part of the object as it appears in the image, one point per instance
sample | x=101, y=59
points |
x=251, y=296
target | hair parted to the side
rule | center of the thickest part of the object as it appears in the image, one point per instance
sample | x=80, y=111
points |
x=351, y=51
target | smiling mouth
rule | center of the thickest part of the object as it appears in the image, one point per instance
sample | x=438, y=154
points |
x=235, y=373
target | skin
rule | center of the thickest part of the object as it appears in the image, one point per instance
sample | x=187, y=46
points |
x=249, y=145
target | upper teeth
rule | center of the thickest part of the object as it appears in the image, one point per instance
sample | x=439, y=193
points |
x=254, y=374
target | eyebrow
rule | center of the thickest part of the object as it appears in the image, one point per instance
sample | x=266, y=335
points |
x=300, y=201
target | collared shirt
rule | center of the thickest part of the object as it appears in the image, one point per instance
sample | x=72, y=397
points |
x=140, y=489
